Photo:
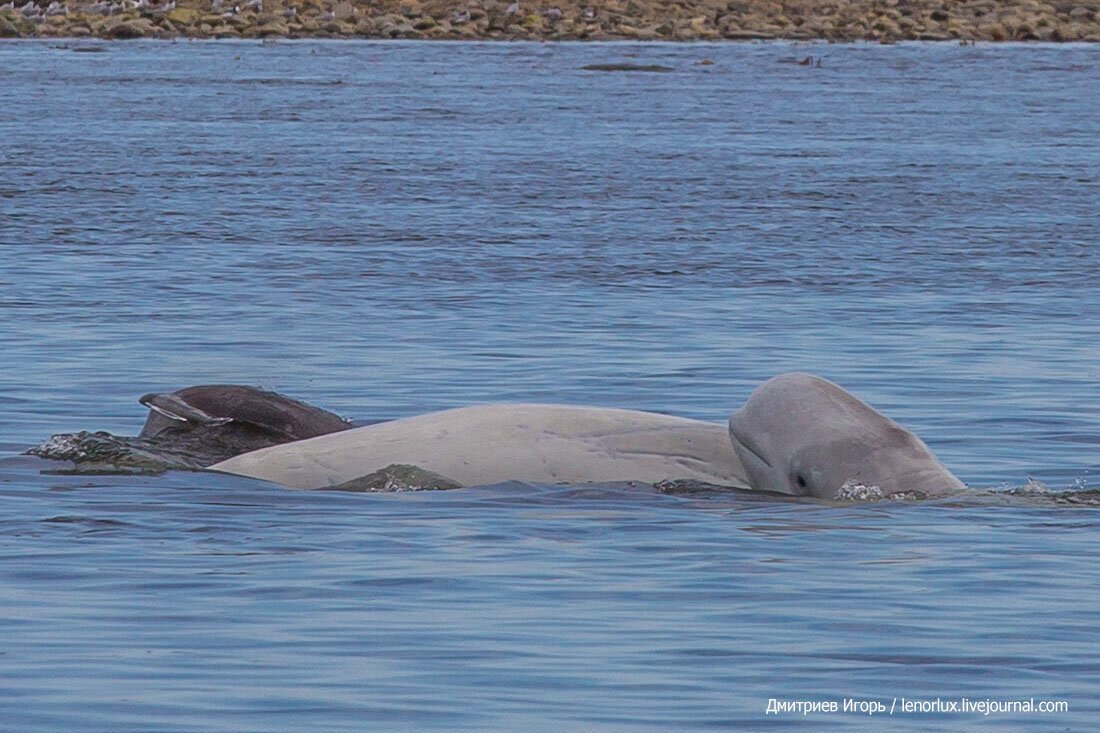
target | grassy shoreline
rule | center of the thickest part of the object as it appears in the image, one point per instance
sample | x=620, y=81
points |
x=885, y=21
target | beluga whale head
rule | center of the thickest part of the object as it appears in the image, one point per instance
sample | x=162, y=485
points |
x=803, y=435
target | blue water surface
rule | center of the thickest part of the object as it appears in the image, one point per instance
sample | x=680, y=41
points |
x=391, y=228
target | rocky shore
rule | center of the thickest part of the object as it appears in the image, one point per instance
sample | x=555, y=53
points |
x=885, y=21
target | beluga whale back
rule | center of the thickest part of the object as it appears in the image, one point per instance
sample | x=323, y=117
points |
x=485, y=444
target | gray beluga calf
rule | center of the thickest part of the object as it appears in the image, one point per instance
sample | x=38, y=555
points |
x=194, y=427
x=264, y=414
x=803, y=435
x=223, y=420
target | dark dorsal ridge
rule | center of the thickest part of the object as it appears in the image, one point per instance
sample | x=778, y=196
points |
x=171, y=406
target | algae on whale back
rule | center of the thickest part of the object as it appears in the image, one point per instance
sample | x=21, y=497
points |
x=929, y=20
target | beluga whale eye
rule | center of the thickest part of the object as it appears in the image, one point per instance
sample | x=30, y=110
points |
x=801, y=482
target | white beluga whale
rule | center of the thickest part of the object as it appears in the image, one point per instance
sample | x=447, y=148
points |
x=797, y=434
x=485, y=444
x=803, y=435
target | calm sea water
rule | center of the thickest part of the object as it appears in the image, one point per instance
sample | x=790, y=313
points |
x=385, y=229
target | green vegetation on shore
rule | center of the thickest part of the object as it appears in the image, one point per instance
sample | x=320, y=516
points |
x=683, y=20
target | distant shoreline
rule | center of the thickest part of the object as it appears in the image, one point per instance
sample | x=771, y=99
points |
x=884, y=21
